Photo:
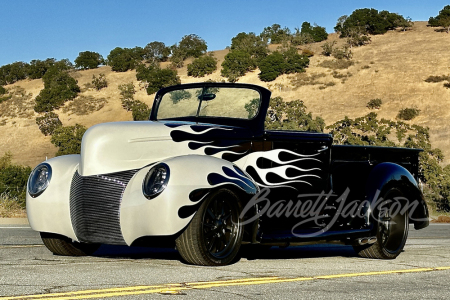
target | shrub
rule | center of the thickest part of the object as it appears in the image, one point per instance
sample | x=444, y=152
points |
x=84, y=105
x=341, y=53
x=88, y=60
x=374, y=104
x=299, y=38
x=328, y=48
x=278, y=63
x=408, y=113
x=271, y=66
x=337, y=64
x=48, y=123
x=202, y=66
x=307, y=53
x=99, y=82
x=447, y=85
x=127, y=92
x=140, y=111
x=236, y=64
x=437, y=78
x=68, y=139
x=58, y=88
x=13, y=179
x=2, y=90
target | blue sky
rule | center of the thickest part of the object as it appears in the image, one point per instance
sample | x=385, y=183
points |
x=61, y=29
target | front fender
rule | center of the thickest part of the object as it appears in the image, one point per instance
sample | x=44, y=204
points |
x=388, y=175
x=50, y=211
x=192, y=177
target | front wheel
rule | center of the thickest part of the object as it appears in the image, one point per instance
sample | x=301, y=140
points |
x=392, y=232
x=61, y=245
x=214, y=236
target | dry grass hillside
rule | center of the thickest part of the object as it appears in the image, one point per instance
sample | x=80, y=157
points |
x=393, y=67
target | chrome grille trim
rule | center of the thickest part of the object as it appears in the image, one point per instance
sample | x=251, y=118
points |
x=95, y=206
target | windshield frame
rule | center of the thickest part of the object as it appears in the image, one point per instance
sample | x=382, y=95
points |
x=256, y=124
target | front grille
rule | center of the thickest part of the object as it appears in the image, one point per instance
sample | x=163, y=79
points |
x=95, y=206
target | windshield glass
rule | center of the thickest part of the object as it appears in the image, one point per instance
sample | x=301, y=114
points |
x=228, y=102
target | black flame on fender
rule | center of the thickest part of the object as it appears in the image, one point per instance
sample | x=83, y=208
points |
x=233, y=176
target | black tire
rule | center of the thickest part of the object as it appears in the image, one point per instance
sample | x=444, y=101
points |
x=61, y=245
x=392, y=232
x=214, y=236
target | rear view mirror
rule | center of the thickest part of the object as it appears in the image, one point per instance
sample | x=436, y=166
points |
x=207, y=97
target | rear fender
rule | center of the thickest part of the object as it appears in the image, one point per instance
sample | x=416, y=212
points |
x=389, y=175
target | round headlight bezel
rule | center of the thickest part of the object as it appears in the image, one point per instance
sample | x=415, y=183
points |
x=35, y=176
x=156, y=180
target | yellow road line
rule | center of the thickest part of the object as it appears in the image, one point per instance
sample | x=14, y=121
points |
x=178, y=287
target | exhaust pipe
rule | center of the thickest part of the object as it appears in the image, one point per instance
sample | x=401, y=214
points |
x=366, y=240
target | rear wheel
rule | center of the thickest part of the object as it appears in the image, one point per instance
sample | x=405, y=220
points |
x=214, y=236
x=61, y=245
x=392, y=232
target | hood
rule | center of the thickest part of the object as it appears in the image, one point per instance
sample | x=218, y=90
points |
x=119, y=146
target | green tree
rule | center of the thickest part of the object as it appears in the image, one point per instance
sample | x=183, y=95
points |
x=193, y=45
x=68, y=139
x=275, y=34
x=317, y=32
x=156, y=52
x=38, y=68
x=124, y=59
x=157, y=78
x=88, y=60
x=251, y=44
x=278, y=63
x=202, y=66
x=236, y=64
x=2, y=90
x=14, y=72
x=368, y=21
x=442, y=19
x=59, y=87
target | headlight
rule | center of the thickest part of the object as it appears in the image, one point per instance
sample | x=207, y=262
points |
x=156, y=180
x=39, y=179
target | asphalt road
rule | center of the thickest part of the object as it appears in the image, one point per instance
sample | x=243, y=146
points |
x=422, y=271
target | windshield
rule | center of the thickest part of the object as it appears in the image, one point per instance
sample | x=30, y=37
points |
x=226, y=102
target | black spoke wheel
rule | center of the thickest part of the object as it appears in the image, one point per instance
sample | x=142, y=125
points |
x=392, y=230
x=214, y=236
